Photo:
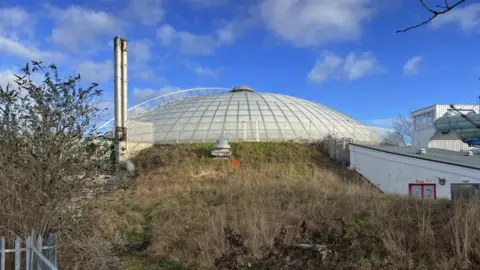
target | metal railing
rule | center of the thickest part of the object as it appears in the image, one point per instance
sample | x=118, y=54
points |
x=161, y=100
x=40, y=253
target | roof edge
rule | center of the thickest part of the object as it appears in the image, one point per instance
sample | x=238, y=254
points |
x=419, y=157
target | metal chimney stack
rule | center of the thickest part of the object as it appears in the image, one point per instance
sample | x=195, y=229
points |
x=120, y=89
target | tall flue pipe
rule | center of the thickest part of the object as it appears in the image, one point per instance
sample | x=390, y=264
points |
x=120, y=92
x=124, y=90
x=117, y=85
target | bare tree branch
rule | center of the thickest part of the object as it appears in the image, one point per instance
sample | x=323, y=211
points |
x=435, y=12
x=403, y=126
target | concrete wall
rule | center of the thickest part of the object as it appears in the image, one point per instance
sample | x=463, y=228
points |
x=337, y=149
x=420, y=138
x=393, y=173
x=132, y=148
x=453, y=145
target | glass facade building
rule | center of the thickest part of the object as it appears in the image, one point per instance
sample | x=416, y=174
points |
x=240, y=115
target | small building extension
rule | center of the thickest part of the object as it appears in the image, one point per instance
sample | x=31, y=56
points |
x=420, y=172
x=424, y=133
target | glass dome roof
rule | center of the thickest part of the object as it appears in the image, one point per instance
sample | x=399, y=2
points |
x=244, y=116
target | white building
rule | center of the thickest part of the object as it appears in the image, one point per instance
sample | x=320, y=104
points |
x=424, y=129
x=437, y=174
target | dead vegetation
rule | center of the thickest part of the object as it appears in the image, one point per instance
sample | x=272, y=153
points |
x=45, y=156
x=286, y=207
x=185, y=213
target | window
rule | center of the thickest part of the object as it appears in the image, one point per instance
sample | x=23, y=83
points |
x=425, y=191
x=424, y=121
x=465, y=191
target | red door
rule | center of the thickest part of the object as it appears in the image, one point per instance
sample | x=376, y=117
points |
x=425, y=191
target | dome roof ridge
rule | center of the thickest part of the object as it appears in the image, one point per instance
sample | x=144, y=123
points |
x=241, y=88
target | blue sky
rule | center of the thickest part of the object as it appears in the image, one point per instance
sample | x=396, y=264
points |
x=344, y=54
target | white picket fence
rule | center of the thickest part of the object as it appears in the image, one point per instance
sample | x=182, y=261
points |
x=39, y=253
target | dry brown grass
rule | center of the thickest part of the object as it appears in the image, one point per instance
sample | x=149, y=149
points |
x=24, y=208
x=46, y=132
x=178, y=211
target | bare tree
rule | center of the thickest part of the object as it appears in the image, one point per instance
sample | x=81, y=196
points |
x=435, y=12
x=403, y=128
x=45, y=137
x=438, y=10
x=393, y=138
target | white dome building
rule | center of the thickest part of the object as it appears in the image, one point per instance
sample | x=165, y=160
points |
x=238, y=114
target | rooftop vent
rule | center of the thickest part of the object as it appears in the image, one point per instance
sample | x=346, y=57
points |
x=221, y=149
x=469, y=153
x=241, y=88
x=422, y=151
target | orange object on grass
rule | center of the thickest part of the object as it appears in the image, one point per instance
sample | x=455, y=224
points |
x=236, y=163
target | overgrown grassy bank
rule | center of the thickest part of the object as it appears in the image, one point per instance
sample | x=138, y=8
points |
x=173, y=214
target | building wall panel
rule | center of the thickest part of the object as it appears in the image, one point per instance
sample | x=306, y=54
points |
x=393, y=173
x=442, y=109
x=456, y=145
x=420, y=138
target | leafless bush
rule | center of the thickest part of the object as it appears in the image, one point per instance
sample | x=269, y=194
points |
x=45, y=137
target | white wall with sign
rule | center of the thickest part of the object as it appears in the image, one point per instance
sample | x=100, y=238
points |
x=405, y=175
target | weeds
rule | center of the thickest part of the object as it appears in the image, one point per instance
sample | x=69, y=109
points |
x=47, y=153
x=191, y=203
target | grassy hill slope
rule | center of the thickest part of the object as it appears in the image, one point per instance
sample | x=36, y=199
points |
x=174, y=212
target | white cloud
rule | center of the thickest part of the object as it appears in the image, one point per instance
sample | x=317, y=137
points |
x=139, y=57
x=196, y=44
x=383, y=131
x=14, y=16
x=205, y=72
x=229, y=31
x=139, y=51
x=466, y=18
x=17, y=49
x=354, y=66
x=16, y=31
x=166, y=34
x=313, y=22
x=148, y=12
x=98, y=72
x=187, y=42
x=142, y=94
x=359, y=66
x=106, y=107
x=76, y=26
x=412, y=67
x=146, y=73
x=386, y=123
x=15, y=21
x=226, y=34
x=7, y=77
x=201, y=71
